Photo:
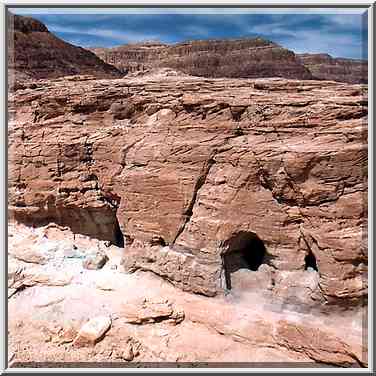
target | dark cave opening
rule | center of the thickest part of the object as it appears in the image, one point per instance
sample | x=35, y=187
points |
x=310, y=261
x=244, y=250
x=118, y=235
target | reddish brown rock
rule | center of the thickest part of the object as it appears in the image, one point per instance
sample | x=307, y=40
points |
x=325, y=67
x=193, y=171
x=34, y=52
x=318, y=345
x=247, y=58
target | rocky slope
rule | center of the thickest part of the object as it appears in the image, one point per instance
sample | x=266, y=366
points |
x=248, y=58
x=203, y=178
x=34, y=52
x=325, y=67
x=62, y=314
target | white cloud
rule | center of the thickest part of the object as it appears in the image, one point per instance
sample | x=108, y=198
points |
x=119, y=36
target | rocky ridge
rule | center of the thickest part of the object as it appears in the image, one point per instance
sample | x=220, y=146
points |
x=247, y=58
x=34, y=52
x=325, y=67
x=243, y=58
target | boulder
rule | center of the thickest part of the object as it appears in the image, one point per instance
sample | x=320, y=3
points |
x=151, y=311
x=95, y=261
x=93, y=331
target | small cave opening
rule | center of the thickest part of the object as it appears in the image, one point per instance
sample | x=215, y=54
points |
x=244, y=250
x=158, y=240
x=118, y=235
x=310, y=261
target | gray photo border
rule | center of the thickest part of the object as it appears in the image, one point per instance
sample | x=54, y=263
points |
x=91, y=367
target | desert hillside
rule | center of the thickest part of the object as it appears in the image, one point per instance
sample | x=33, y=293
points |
x=325, y=67
x=246, y=58
x=34, y=52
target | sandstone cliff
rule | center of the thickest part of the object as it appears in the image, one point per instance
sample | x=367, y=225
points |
x=192, y=171
x=325, y=67
x=34, y=52
x=248, y=58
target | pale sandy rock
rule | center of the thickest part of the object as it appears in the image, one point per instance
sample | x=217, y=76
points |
x=47, y=278
x=92, y=331
x=150, y=311
x=48, y=301
x=127, y=353
x=248, y=280
x=66, y=335
x=96, y=261
x=105, y=282
x=241, y=327
x=30, y=255
x=299, y=287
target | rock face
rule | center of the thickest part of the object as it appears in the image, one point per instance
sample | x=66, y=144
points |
x=249, y=58
x=33, y=52
x=203, y=177
x=325, y=67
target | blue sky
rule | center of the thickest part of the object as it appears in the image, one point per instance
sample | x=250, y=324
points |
x=341, y=34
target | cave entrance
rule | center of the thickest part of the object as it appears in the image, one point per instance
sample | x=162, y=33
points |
x=244, y=250
x=310, y=261
x=118, y=235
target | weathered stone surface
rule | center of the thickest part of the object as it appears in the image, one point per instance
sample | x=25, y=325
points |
x=296, y=287
x=313, y=342
x=30, y=255
x=325, y=67
x=150, y=311
x=95, y=261
x=129, y=351
x=105, y=283
x=34, y=52
x=92, y=331
x=66, y=335
x=196, y=163
x=247, y=58
x=244, y=326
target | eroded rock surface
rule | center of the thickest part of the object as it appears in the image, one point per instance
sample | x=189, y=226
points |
x=188, y=172
x=34, y=52
x=151, y=311
x=247, y=58
x=325, y=67
x=141, y=320
x=92, y=331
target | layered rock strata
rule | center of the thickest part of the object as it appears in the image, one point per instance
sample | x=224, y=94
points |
x=247, y=58
x=34, y=52
x=325, y=67
x=197, y=176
